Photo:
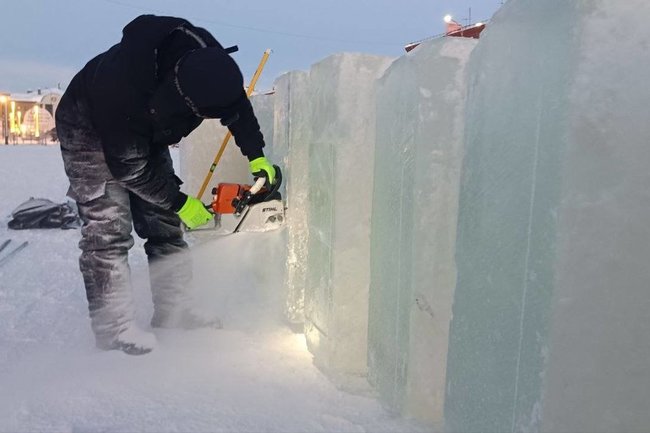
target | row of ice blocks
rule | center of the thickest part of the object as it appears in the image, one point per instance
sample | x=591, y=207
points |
x=510, y=190
x=375, y=297
x=540, y=242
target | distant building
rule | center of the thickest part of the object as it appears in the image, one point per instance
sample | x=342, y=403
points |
x=29, y=117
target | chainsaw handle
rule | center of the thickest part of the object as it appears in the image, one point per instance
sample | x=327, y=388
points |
x=259, y=184
x=240, y=203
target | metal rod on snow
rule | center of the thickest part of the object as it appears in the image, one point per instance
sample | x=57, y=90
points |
x=12, y=253
x=4, y=245
x=226, y=139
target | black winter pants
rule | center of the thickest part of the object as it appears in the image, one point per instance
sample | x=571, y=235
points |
x=108, y=212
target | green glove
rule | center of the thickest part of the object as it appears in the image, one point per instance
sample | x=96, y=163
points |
x=194, y=214
x=261, y=167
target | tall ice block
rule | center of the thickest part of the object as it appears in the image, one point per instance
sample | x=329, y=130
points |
x=264, y=107
x=341, y=165
x=551, y=316
x=198, y=150
x=290, y=150
x=420, y=124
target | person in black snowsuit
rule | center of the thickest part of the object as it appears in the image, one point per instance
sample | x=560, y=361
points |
x=115, y=122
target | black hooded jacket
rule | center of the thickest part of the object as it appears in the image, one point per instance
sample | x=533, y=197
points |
x=136, y=109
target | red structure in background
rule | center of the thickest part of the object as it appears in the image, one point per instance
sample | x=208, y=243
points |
x=454, y=30
x=473, y=31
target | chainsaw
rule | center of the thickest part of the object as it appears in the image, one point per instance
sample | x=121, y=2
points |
x=246, y=208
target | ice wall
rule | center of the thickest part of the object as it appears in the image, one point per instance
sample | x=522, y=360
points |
x=198, y=150
x=600, y=336
x=341, y=162
x=420, y=123
x=290, y=151
x=551, y=325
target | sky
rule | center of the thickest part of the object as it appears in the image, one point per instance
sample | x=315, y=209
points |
x=45, y=42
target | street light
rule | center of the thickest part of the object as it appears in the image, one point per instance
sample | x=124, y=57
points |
x=4, y=100
x=452, y=25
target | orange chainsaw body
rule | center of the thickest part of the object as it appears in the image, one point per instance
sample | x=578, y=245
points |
x=224, y=194
x=237, y=209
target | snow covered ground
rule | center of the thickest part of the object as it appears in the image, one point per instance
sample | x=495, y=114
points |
x=254, y=375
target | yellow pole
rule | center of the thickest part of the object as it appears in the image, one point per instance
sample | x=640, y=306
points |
x=226, y=139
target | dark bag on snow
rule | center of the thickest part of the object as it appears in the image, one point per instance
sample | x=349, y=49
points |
x=41, y=213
